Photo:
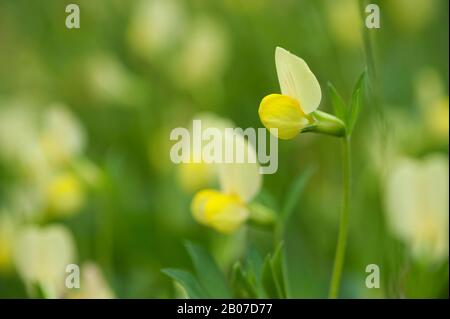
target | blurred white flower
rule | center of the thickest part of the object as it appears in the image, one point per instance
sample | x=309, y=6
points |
x=18, y=130
x=46, y=154
x=109, y=81
x=156, y=26
x=93, y=284
x=41, y=256
x=204, y=54
x=193, y=176
x=62, y=136
x=345, y=22
x=417, y=205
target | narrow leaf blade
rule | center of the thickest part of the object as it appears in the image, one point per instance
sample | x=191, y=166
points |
x=255, y=263
x=278, y=271
x=356, y=102
x=208, y=273
x=187, y=281
x=338, y=103
x=267, y=279
x=242, y=286
x=295, y=190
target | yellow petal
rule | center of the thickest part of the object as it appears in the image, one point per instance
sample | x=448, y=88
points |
x=297, y=80
x=283, y=113
x=223, y=212
x=198, y=204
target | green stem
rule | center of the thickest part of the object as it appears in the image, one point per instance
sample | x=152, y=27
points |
x=343, y=226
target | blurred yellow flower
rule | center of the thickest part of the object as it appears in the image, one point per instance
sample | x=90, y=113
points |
x=417, y=205
x=226, y=209
x=295, y=108
x=7, y=230
x=65, y=194
x=41, y=256
x=414, y=16
x=433, y=102
x=437, y=119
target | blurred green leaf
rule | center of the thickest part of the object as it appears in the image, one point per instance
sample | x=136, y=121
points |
x=356, y=102
x=255, y=270
x=242, y=286
x=187, y=281
x=278, y=271
x=273, y=275
x=294, y=192
x=267, y=279
x=208, y=273
x=38, y=291
x=339, y=106
x=255, y=262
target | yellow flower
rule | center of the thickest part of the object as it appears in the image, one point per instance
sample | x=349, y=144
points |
x=226, y=209
x=65, y=194
x=294, y=110
x=417, y=205
x=41, y=256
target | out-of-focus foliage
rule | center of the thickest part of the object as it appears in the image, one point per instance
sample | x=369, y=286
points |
x=85, y=118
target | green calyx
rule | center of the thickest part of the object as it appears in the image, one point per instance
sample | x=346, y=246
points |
x=325, y=123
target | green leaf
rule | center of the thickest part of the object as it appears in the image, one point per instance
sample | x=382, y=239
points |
x=277, y=264
x=273, y=276
x=39, y=291
x=267, y=279
x=188, y=282
x=241, y=283
x=208, y=273
x=254, y=264
x=356, y=102
x=338, y=103
x=294, y=192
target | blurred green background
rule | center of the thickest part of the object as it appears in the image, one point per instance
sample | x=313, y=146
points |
x=85, y=117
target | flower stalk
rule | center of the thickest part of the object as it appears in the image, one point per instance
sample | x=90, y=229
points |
x=343, y=224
